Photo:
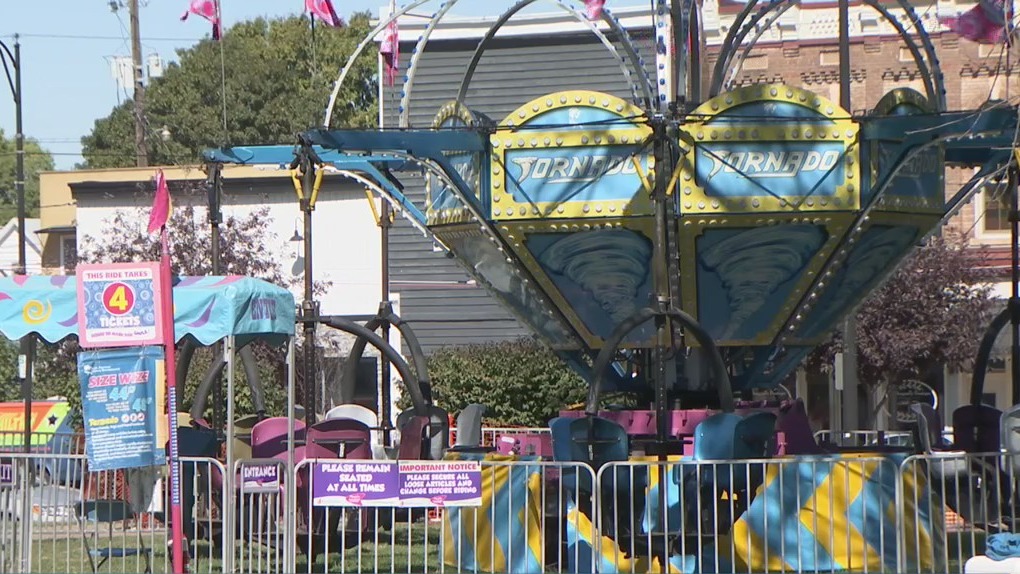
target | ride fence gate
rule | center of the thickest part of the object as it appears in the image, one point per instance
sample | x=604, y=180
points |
x=858, y=513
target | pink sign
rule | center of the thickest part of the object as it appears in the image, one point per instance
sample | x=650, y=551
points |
x=119, y=305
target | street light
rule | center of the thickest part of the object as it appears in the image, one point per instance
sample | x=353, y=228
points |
x=13, y=60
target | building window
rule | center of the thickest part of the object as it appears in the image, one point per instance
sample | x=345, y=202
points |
x=69, y=253
x=996, y=204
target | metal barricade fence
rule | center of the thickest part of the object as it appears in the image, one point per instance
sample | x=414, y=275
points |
x=261, y=517
x=864, y=438
x=521, y=526
x=806, y=514
x=112, y=521
x=969, y=497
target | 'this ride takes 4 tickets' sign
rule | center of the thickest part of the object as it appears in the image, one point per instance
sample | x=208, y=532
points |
x=118, y=305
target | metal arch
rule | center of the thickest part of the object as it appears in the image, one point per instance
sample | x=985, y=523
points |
x=927, y=65
x=358, y=349
x=759, y=31
x=488, y=229
x=387, y=350
x=861, y=217
x=934, y=69
x=931, y=74
x=606, y=355
x=419, y=49
x=977, y=384
x=383, y=23
x=378, y=190
x=636, y=61
x=732, y=42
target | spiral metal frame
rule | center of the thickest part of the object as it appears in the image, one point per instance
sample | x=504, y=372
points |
x=645, y=97
x=734, y=52
x=436, y=18
x=928, y=64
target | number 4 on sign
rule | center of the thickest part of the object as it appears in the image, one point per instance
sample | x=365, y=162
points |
x=119, y=299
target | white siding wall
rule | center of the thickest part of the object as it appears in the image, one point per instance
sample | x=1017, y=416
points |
x=345, y=238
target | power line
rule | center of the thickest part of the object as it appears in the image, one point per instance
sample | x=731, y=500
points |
x=98, y=38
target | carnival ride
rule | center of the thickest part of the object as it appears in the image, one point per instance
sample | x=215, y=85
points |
x=697, y=240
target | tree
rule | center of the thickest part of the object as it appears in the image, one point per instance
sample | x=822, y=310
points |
x=36, y=160
x=521, y=382
x=930, y=314
x=247, y=244
x=277, y=85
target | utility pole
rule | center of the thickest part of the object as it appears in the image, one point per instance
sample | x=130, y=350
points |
x=141, y=153
x=849, y=415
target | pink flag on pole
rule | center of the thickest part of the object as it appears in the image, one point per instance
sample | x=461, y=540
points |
x=323, y=10
x=160, y=214
x=985, y=23
x=208, y=9
x=389, y=49
x=593, y=8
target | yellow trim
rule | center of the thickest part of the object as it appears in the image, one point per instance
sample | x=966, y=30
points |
x=693, y=227
x=922, y=223
x=630, y=132
x=319, y=173
x=832, y=125
x=456, y=215
x=516, y=233
x=569, y=99
x=892, y=202
x=371, y=205
x=295, y=177
x=772, y=93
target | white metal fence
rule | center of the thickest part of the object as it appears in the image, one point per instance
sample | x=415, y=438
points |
x=862, y=513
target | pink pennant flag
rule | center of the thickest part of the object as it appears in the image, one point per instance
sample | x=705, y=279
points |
x=984, y=23
x=208, y=9
x=593, y=8
x=389, y=49
x=323, y=10
x=160, y=214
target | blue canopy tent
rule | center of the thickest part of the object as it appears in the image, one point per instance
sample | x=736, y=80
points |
x=206, y=310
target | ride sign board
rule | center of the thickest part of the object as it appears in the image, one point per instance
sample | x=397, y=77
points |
x=8, y=475
x=260, y=477
x=408, y=484
x=118, y=305
x=122, y=392
x=769, y=149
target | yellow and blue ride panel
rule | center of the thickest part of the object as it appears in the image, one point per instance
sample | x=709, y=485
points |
x=836, y=515
x=504, y=534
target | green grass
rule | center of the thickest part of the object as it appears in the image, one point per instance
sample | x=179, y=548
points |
x=403, y=550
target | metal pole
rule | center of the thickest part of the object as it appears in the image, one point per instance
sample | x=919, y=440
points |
x=310, y=307
x=385, y=415
x=847, y=402
x=1014, y=300
x=19, y=155
x=141, y=153
x=663, y=338
x=215, y=216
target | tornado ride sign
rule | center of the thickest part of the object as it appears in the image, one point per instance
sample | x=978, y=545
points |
x=119, y=305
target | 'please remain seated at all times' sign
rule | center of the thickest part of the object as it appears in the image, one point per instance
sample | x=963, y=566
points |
x=406, y=484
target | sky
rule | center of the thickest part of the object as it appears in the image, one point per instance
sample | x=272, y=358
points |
x=66, y=51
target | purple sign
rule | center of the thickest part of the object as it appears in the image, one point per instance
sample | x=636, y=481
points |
x=440, y=483
x=8, y=478
x=355, y=484
x=260, y=478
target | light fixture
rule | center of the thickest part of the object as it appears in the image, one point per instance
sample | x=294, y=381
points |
x=296, y=238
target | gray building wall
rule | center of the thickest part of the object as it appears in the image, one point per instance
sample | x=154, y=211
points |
x=435, y=298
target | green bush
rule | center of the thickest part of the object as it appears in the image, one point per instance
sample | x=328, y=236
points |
x=521, y=382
